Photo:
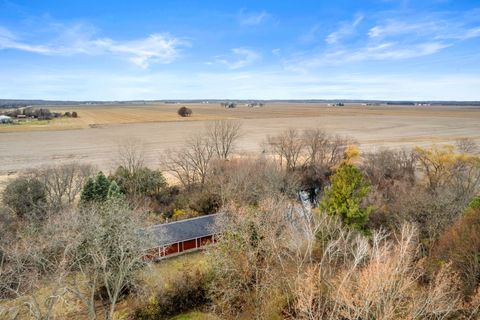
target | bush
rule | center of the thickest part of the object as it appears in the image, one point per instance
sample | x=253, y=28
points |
x=26, y=196
x=74, y=114
x=460, y=245
x=475, y=203
x=205, y=202
x=141, y=182
x=189, y=291
x=184, y=112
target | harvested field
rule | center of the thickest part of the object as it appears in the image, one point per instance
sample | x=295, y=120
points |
x=95, y=135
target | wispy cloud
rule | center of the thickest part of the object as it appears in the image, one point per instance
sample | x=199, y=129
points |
x=391, y=38
x=311, y=35
x=432, y=27
x=252, y=18
x=155, y=48
x=346, y=29
x=386, y=51
x=242, y=57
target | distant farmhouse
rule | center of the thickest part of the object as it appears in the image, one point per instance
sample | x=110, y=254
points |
x=228, y=105
x=231, y=105
x=5, y=119
x=339, y=104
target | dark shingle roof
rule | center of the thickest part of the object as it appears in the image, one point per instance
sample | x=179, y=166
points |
x=183, y=230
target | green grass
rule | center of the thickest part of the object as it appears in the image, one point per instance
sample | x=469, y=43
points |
x=157, y=276
x=160, y=274
x=195, y=316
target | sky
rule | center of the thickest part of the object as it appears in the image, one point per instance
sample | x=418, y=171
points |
x=146, y=50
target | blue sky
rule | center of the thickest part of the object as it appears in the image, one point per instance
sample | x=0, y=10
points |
x=125, y=50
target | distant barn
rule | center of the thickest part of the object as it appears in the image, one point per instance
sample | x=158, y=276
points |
x=183, y=236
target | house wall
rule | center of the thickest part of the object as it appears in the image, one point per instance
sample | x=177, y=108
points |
x=178, y=248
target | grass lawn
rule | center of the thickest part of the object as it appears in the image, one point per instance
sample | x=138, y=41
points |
x=195, y=316
x=159, y=275
x=153, y=277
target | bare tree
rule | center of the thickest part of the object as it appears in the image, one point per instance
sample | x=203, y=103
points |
x=63, y=183
x=39, y=255
x=249, y=180
x=246, y=263
x=287, y=146
x=377, y=280
x=131, y=155
x=111, y=251
x=466, y=145
x=191, y=164
x=223, y=135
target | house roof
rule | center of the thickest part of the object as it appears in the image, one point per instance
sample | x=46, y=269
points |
x=187, y=229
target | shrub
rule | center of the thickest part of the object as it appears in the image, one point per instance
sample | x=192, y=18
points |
x=186, y=293
x=140, y=182
x=205, y=202
x=475, y=203
x=26, y=196
x=460, y=245
x=184, y=112
x=74, y=114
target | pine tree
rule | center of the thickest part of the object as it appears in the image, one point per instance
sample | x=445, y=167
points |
x=114, y=191
x=102, y=184
x=99, y=189
x=345, y=196
x=88, y=191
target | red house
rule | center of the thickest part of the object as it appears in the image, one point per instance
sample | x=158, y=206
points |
x=187, y=235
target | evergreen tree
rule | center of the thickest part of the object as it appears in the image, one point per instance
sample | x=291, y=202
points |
x=102, y=184
x=114, y=191
x=100, y=189
x=88, y=192
x=345, y=196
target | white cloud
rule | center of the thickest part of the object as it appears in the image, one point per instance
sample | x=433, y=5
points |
x=372, y=52
x=252, y=18
x=432, y=27
x=244, y=57
x=389, y=51
x=393, y=28
x=396, y=38
x=346, y=29
x=155, y=48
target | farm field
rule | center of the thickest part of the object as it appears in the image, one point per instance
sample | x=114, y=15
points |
x=94, y=136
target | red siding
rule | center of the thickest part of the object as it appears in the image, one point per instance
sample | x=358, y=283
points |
x=205, y=240
x=151, y=254
x=171, y=249
x=156, y=253
x=190, y=244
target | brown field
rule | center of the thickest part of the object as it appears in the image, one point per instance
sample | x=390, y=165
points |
x=96, y=134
